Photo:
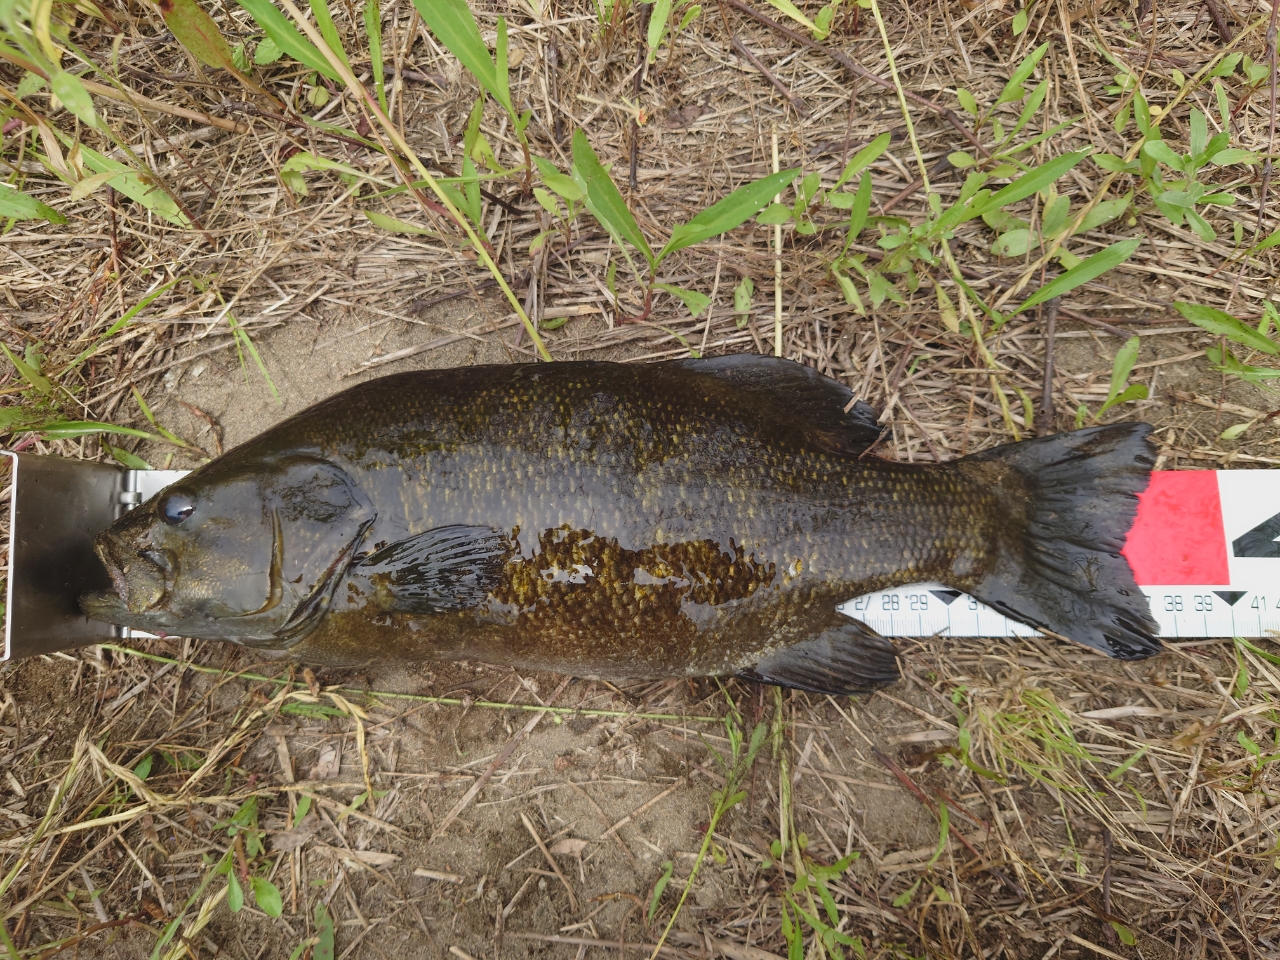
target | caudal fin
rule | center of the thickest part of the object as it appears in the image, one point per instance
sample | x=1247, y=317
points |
x=1061, y=569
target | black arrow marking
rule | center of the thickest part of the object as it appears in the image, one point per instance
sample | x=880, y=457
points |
x=946, y=596
x=1260, y=541
x=1231, y=596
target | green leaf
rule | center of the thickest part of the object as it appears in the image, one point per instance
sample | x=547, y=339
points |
x=658, y=17
x=267, y=52
x=790, y=9
x=1199, y=133
x=71, y=91
x=1054, y=218
x=1029, y=110
x=1105, y=212
x=732, y=211
x=1033, y=181
x=20, y=206
x=967, y=101
x=268, y=896
x=1090, y=269
x=603, y=199
x=1120, y=771
x=235, y=893
x=136, y=186
x=394, y=225
x=1160, y=151
x=124, y=457
x=1234, y=433
x=904, y=898
x=1233, y=155
x=1126, y=357
x=1015, y=243
x=454, y=26
x=66, y=429
x=850, y=291
x=1019, y=25
x=373, y=31
x=1013, y=89
x=1136, y=391
x=1224, y=325
x=286, y=37
x=695, y=302
x=742, y=300
x=774, y=213
x=667, y=869
x=195, y=30
x=1124, y=933
x=1114, y=164
x=143, y=769
x=29, y=370
x=304, y=807
x=960, y=159
x=324, y=933
x=858, y=213
x=29, y=84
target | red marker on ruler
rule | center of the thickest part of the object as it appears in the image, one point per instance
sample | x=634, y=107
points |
x=1204, y=548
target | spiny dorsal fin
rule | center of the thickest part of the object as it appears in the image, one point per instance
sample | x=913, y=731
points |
x=800, y=396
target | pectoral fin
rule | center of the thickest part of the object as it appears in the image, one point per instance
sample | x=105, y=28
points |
x=447, y=568
x=848, y=657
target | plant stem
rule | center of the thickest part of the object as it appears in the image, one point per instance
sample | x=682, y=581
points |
x=902, y=97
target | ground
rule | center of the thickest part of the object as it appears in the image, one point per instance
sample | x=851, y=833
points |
x=1007, y=798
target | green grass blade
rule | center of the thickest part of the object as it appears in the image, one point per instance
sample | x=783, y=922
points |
x=1081, y=273
x=732, y=211
x=1032, y=182
x=1126, y=357
x=67, y=429
x=863, y=158
x=373, y=31
x=324, y=20
x=1225, y=325
x=453, y=25
x=242, y=337
x=124, y=320
x=604, y=201
x=131, y=184
x=287, y=37
x=790, y=9
x=18, y=205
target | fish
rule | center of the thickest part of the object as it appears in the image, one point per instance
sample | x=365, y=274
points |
x=618, y=521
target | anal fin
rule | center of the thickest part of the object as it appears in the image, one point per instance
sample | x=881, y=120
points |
x=847, y=657
x=446, y=568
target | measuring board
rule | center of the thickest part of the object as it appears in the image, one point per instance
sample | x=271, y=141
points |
x=1205, y=549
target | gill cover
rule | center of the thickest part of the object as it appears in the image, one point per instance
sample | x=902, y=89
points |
x=248, y=551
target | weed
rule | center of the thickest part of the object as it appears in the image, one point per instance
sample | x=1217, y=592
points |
x=602, y=198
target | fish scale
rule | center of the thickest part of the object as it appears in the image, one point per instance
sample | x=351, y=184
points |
x=614, y=520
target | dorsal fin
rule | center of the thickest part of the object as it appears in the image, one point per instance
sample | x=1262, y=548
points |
x=801, y=397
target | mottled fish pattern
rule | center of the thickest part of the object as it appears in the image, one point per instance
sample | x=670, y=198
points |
x=687, y=518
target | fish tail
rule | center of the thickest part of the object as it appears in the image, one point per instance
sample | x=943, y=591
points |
x=1060, y=569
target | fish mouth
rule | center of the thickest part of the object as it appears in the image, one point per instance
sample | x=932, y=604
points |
x=138, y=577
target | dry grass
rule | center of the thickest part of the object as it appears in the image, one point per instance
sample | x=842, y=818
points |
x=1180, y=848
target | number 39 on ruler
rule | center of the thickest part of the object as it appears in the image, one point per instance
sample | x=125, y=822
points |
x=1205, y=549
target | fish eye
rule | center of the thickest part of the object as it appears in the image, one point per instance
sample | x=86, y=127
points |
x=175, y=508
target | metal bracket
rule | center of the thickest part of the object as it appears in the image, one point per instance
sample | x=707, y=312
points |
x=56, y=508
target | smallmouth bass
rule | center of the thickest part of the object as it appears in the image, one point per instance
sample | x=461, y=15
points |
x=684, y=518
